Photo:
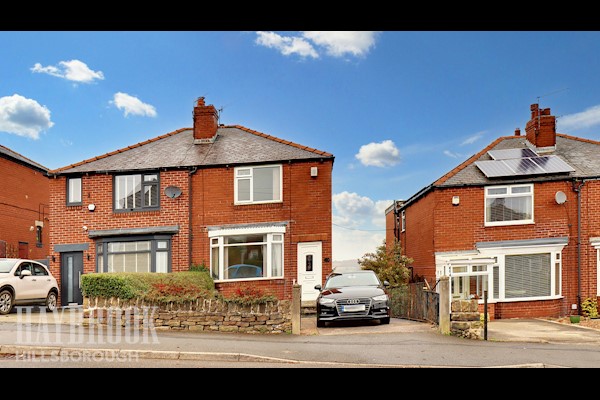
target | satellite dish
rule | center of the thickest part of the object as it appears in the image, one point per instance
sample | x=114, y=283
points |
x=560, y=197
x=172, y=192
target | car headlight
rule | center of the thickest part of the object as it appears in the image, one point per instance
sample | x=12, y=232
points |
x=381, y=297
x=326, y=301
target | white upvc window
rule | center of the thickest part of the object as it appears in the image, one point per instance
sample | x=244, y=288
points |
x=247, y=254
x=595, y=241
x=403, y=220
x=259, y=184
x=508, y=274
x=509, y=205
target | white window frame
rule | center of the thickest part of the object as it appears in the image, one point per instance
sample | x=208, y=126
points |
x=509, y=189
x=236, y=178
x=595, y=241
x=403, y=221
x=270, y=231
x=444, y=264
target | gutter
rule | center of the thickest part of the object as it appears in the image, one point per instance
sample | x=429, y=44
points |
x=577, y=189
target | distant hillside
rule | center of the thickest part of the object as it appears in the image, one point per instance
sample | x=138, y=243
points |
x=346, y=263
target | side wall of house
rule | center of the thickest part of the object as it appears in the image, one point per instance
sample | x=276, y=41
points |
x=306, y=207
x=390, y=228
x=24, y=199
x=417, y=240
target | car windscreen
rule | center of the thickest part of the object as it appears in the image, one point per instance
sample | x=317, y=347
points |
x=6, y=266
x=349, y=279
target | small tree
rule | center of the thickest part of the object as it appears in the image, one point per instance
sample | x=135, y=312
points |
x=389, y=264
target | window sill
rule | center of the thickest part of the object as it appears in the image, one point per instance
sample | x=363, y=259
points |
x=249, y=280
x=256, y=203
x=507, y=223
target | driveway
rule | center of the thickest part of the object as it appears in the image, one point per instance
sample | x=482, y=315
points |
x=309, y=327
x=540, y=331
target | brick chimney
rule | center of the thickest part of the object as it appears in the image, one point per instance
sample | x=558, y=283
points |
x=206, y=122
x=541, y=128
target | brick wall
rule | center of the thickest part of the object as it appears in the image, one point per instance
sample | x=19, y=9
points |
x=460, y=227
x=390, y=228
x=23, y=199
x=306, y=206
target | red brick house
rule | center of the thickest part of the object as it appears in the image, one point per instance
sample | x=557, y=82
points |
x=254, y=209
x=24, y=200
x=520, y=219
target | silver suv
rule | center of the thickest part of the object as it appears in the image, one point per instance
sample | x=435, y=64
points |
x=26, y=282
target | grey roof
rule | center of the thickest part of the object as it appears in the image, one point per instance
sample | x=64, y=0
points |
x=233, y=145
x=5, y=151
x=581, y=154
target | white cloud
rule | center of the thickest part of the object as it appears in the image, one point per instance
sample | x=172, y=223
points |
x=358, y=225
x=341, y=43
x=73, y=70
x=382, y=154
x=333, y=43
x=24, y=117
x=286, y=45
x=585, y=119
x=132, y=105
x=452, y=154
x=349, y=245
x=472, y=139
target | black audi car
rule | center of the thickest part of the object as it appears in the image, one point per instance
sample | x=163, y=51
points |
x=352, y=296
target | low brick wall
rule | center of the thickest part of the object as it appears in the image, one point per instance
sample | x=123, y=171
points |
x=465, y=320
x=200, y=315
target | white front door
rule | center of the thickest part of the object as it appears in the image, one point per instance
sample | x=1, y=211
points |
x=309, y=269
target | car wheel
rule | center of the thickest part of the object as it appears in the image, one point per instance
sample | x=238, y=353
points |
x=51, y=302
x=320, y=324
x=385, y=321
x=6, y=302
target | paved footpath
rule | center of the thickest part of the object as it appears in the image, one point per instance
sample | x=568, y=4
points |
x=402, y=343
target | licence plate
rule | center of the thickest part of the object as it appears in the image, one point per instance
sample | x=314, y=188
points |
x=354, y=308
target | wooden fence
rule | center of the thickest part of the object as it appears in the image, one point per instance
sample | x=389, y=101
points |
x=414, y=301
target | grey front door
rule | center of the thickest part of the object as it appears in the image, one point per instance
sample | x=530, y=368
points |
x=71, y=269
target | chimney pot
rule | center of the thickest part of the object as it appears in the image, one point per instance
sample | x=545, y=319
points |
x=517, y=132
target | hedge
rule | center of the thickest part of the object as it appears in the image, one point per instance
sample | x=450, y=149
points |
x=171, y=287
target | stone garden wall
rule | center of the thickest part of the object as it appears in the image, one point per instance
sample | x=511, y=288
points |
x=200, y=315
x=465, y=320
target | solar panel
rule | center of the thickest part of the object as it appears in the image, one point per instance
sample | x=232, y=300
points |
x=507, y=154
x=524, y=166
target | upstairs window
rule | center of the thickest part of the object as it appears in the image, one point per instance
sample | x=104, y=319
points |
x=403, y=220
x=508, y=205
x=136, y=192
x=73, y=191
x=261, y=184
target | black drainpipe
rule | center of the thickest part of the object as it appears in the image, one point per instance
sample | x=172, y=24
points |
x=190, y=173
x=577, y=189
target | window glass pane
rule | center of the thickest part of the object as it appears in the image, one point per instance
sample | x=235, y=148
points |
x=527, y=275
x=243, y=172
x=162, y=261
x=75, y=190
x=496, y=272
x=521, y=189
x=492, y=191
x=277, y=238
x=215, y=241
x=277, y=260
x=150, y=178
x=509, y=209
x=243, y=193
x=245, y=262
x=309, y=263
x=245, y=239
x=266, y=184
x=162, y=244
x=100, y=263
x=99, y=248
x=38, y=270
x=150, y=195
x=457, y=269
x=128, y=191
x=214, y=266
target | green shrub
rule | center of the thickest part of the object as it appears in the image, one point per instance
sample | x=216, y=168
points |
x=199, y=267
x=171, y=287
x=589, y=308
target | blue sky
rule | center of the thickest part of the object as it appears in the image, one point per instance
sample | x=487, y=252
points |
x=397, y=109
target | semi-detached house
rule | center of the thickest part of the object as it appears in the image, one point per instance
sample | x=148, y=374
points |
x=253, y=208
x=520, y=220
